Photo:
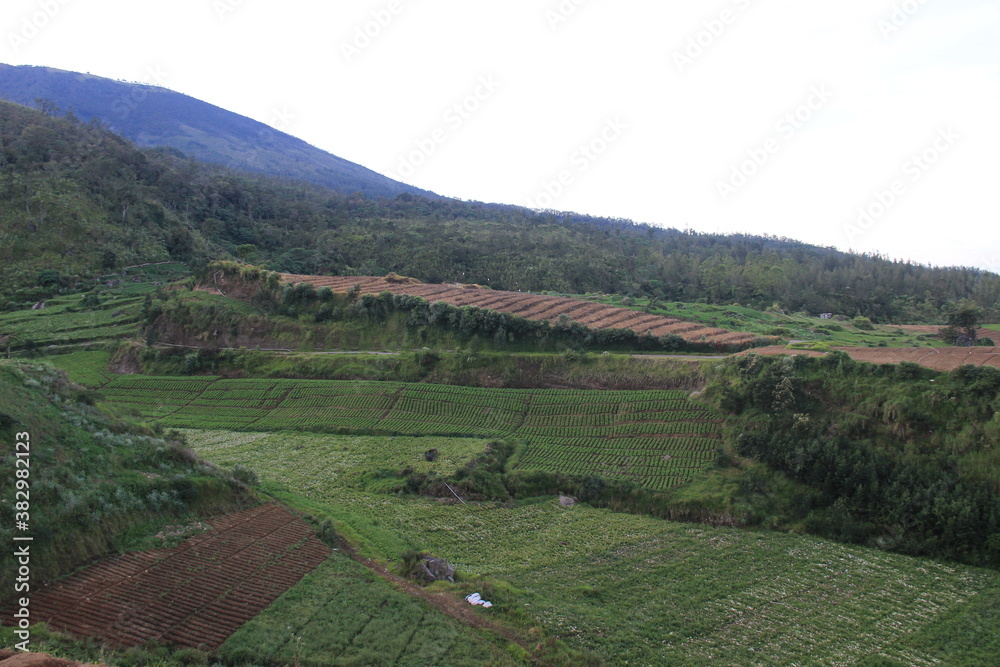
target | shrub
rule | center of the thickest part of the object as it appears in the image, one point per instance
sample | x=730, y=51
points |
x=243, y=474
x=862, y=323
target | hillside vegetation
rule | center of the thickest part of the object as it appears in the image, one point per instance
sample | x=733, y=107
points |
x=94, y=477
x=896, y=456
x=77, y=200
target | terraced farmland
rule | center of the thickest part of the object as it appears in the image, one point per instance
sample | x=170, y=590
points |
x=196, y=594
x=534, y=307
x=658, y=438
x=632, y=589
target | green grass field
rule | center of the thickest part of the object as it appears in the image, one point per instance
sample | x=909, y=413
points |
x=656, y=438
x=634, y=589
x=84, y=366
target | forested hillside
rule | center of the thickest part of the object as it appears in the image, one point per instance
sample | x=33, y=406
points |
x=77, y=201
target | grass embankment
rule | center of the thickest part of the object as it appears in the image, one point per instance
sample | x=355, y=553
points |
x=570, y=370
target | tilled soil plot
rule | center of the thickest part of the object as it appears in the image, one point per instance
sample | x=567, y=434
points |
x=533, y=307
x=195, y=594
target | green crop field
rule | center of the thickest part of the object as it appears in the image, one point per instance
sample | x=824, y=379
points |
x=65, y=320
x=105, y=313
x=342, y=614
x=657, y=438
x=84, y=366
x=631, y=589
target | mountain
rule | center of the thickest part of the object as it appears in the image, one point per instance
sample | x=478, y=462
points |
x=152, y=116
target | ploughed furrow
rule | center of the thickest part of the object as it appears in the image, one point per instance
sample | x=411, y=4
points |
x=614, y=319
x=497, y=300
x=533, y=307
x=550, y=309
x=196, y=594
x=430, y=293
x=472, y=297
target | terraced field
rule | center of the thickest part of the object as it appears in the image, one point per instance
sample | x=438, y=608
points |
x=657, y=438
x=942, y=359
x=196, y=594
x=534, y=307
x=632, y=589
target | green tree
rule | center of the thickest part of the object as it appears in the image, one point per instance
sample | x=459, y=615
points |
x=246, y=251
x=963, y=323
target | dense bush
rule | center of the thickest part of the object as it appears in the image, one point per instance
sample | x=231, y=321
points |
x=892, y=450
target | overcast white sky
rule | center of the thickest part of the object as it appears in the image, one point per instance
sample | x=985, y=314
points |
x=782, y=117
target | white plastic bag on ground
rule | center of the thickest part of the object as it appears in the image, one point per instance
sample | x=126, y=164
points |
x=477, y=599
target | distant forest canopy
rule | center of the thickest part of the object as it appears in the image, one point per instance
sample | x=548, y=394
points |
x=77, y=201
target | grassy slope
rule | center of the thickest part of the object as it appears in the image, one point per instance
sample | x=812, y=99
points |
x=92, y=475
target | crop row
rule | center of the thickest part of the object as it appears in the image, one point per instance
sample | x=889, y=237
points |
x=653, y=445
x=609, y=419
x=618, y=430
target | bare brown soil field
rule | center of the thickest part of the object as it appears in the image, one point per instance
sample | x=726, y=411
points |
x=10, y=658
x=195, y=594
x=929, y=329
x=533, y=307
x=936, y=358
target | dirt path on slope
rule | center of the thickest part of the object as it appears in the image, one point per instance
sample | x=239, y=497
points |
x=446, y=603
